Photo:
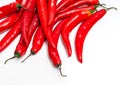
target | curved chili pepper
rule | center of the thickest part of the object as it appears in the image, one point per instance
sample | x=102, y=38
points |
x=10, y=36
x=21, y=48
x=37, y=43
x=9, y=9
x=26, y=19
x=53, y=54
x=43, y=16
x=79, y=3
x=83, y=31
x=70, y=24
x=63, y=4
x=51, y=10
x=9, y=21
x=71, y=12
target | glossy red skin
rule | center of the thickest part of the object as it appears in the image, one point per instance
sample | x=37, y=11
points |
x=38, y=40
x=22, y=47
x=79, y=3
x=63, y=4
x=19, y=1
x=27, y=18
x=33, y=26
x=73, y=21
x=43, y=16
x=83, y=31
x=10, y=36
x=9, y=21
x=53, y=54
x=68, y=13
x=8, y=9
x=51, y=10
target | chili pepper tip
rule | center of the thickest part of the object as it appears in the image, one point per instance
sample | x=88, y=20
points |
x=9, y=59
x=59, y=67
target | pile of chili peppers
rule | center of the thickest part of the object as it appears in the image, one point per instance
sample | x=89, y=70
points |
x=45, y=21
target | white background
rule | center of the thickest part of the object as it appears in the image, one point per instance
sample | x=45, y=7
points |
x=101, y=58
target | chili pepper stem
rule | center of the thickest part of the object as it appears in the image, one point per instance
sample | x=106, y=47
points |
x=9, y=59
x=26, y=57
x=103, y=5
x=19, y=6
x=111, y=8
x=60, y=70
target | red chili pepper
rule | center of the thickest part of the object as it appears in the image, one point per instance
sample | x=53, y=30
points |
x=26, y=19
x=63, y=4
x=38, y=40
x=37, y=43
x=9, y=9
x=70, y=24
x=71, y=12
x=53, y=54
x=84, y=29
x=9, y=21
x=21, y=47
x=79, y=3
x=51, y=10
x=43, y=16
x=10, y=36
